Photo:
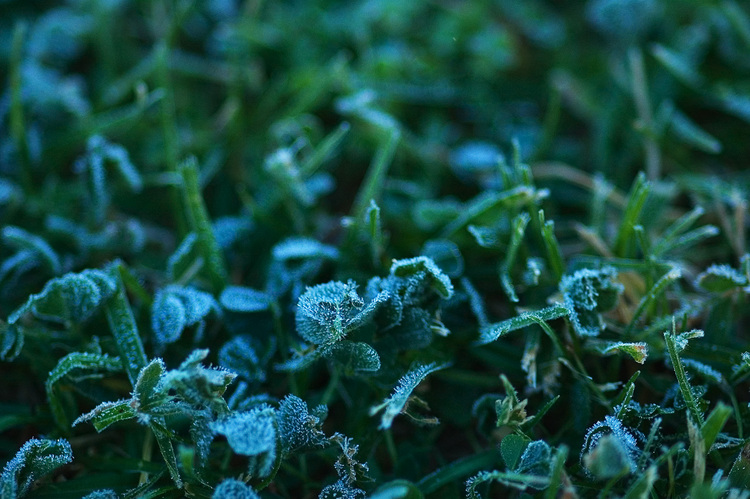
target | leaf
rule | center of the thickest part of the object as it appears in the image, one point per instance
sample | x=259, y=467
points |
x=299, y=430
x=397, y=489
x=638, y=351
x=394, y=405
x=245, y=356
x=587, y=293
x=146, y=390
x=446, y=255
x=124, y=328
x=412, y=267
x=341, y=490
x=11, y=341
x=199, y=221
x=244, y=300
x=102, y=494
x=609, y=449
x=108, y=413
x=184, y=258
x=739, y=475
x=355, y=357
x=295, y=248
x=252, y=433
x=720, y=278
x=234, y=489
x=92, y=362
x=71, y=298
x=33, y=461
x=22, y=240
x=516, y=480
x=177, y=307
x=491, y=332
x=326, y=313
x=511, y=448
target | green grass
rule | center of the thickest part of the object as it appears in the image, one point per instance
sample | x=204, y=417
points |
x=374, y=249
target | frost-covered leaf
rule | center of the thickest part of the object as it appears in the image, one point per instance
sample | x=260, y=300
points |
x=11, y=340
x=230, y=230
x=89, y=363
x=341, y=490
x=186, y=258
x=638, y=351
x=234, y=489
x=108, y=413
x=587, y=293
x=299, y=430
x=253, y=433
x=33, y=461
x=198, y=385
x=245, y=356
x=422, y=265
x=177, y=307
x=71, y=298
x=721, y=278
x=296, y=248
x=242, y=299
x=326, y=313
x=397, y=489
x=446, y=255
x=146, y=392
x=355, y=357
x=102, y=494
x=609, y=449
x=101, y=153
x=22, y=240
x=394, y=405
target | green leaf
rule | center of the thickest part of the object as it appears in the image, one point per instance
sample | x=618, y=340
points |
x=124, y=329
x=108, y=413
x=326, y=313
x=492, y=332
x=36, y=459
x=412, y=266
x=71, y=298
x=355, y=357
x=394, y=405
x=77, y=361
x=299, y=430
x=511, y=448
x=638, y=351
x=244, y=300
x=739, y=475
x=397, y=489
x=200, y=223
x=587, y=293
x=721, y=278
x=234, y=489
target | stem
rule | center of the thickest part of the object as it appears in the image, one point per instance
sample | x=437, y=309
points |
x=643, y=107
x=17, y=119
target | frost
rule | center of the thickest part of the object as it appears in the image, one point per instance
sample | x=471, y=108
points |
x=234, y=489
x=587, y=293
x=395, y=404
x=341, y=490
x=34, y=460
